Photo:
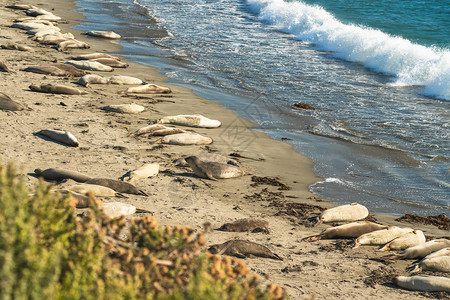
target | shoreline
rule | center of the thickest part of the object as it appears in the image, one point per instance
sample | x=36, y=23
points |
x=107, y=152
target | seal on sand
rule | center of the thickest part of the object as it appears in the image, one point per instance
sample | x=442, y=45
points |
x=132, y=108
x=89, y=79
x=117, y=185
x=110, y=62
x=435, y=264
x=148, y=129
x=405, y=241
x=146, y=89
x=351, y=230
x=64, y=137
x=104, y=34
x=4, y=67
x=117, y=209
x=89, y=65
x=56, y=70
x=120, y=79
x=190, y=120
x=187, y=138
x=248, y=224
x=72, y=44
x=207, y=157
x=11, y=46
x=212, y=170
x=243, y=249
x=422, y=250
x=93, y=56
x=56, y=89
x=147, y=170
x=381, y=237
x=343, y=213
x=423, y=283
x=97, y=190
x=61, y=174
x=82, y=200
x=6, y=103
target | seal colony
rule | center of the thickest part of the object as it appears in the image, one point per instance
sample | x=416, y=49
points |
x=104, y=92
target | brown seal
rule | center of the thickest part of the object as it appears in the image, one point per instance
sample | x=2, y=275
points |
x=351, y=230
x=212, y=170
x=61, y=174
x=248, y=224
x=4, y=67
x=56, y=70
x=117, y=185
x=56, y=89
x=243, y=249
x=6, y=103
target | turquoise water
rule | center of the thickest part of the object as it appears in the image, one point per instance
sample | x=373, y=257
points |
x=381, y=132
x=424, y=22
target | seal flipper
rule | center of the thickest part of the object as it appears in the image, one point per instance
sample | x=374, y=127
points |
x=239, y=254
x=141, y=192
x=276, y=256
x=209, y=175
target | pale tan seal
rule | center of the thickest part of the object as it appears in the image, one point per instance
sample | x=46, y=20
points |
x=145, y=171
x=381, y=237
x=207, y=157
x=187, y=138
x=35, y=26
x=351, y=230
x=117, y=185
x=90, y=65
x=34, y=12
x=12, y=46
x=72, y=44
x=146, y=89
x=422, y=250
x=93, y=56
x=82, y=200
x=117, y=209
x=120, y=79
x=110, y=62
x=167, y=131
x=423, y=283
x=148, y=129
x=49, y=39
x=104, y=34
x=434, y=264
x=97, y=190
x=58, y=174
x=132, y=108
x=63, y=137
x=243, y=249
x=6, y=103
x=248, y=224
x=191, y=121
x=343, y=213
x=212, y=170
x=56, y=89
x=89, y=79
x=405, y=241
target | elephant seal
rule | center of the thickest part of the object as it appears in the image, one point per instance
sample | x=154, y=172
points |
x=343, y=213
x=56, y=70
x=117, y=209
x=61, y=174
x=72, y=44
x=212, y=170
x=49, y=39
x=146, y=89
x=34, y=12
x=423, y=283
x=248, y=224
x=6, y=103
x=97, y=190
x=94, y=56
x=104, y=34
x=56, y=89
x=64, y=137
x=191, y=121
x=442, y=252
x=21, y=6
x=422, y=250
x=146, y=171
x=351, y=230
x=120, y=79
x=243, y=249
x=186, y=139
x=207, y=157
x=82, y=200
x=35, y=26
x=167, y=131
x=132, y=108
x=110, y=62
x=381, y=237
x=117, y=185
x=89, y=65
x=11, y=46
x=435, y=264
x=148, y=129
x=89, y=79
x=405, y=241
x=4, y=67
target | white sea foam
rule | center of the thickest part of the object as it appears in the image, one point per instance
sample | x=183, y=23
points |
x=411, y=64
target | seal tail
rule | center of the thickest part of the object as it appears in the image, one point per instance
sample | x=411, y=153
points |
x=120, y=195
x=414, y=268
x=317, y=221
x=276, y=257
x=355, y=244
x=140, y=211
x=141, y=192
x=385, y=248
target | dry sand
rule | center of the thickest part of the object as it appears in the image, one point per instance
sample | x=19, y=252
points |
x=176, y=196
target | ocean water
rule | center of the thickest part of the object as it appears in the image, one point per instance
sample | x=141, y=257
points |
x=378, y=74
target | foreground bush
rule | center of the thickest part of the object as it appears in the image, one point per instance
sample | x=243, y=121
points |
x=47, y=252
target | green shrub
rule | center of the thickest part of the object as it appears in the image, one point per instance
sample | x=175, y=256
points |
x=47, y=252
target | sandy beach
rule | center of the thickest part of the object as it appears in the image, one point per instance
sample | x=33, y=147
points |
x=330, y=269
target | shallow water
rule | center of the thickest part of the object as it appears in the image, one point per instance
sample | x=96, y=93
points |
x=374, y=137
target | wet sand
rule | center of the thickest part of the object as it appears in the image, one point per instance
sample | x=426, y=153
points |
x=329, y=269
